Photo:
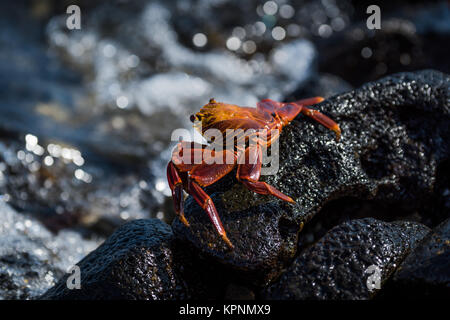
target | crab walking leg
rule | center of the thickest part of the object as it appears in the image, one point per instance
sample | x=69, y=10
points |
x=249, y=173
x=310, y=101
x=176, y=186
x=323, y=120
x=207, y=204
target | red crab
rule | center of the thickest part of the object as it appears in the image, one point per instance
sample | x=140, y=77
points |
x=191, y=176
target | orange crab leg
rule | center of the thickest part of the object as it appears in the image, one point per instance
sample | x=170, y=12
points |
x=205, y=175
x=323, y=120
x=270, y=106
x=288, y=111
x=176, y=186
x=264, y=188
x=318, y=116
x=249, y=173
x=207, y=204
x=310, y=101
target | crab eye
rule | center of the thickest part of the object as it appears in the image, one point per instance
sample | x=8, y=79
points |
x=192, y=118
x=273, y=114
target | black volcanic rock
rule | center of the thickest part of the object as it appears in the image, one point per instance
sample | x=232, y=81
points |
x=395, y=135
x=426, y=271
x=337, y=266
x=139, y=261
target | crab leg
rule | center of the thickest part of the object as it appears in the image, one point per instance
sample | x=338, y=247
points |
x=206, y=174
x=323, y=120
x=176, y=186
x=207, y=204
x=249, y=173
x=309, y=101
x=203, y=174
x=318, y=116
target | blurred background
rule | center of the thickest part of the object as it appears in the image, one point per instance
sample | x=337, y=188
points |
x=86, y=115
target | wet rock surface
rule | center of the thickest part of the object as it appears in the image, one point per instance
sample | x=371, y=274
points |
x=426, y=271
x=139, y=261
x=32, y=259
x=337, y=266
x=394, y=134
